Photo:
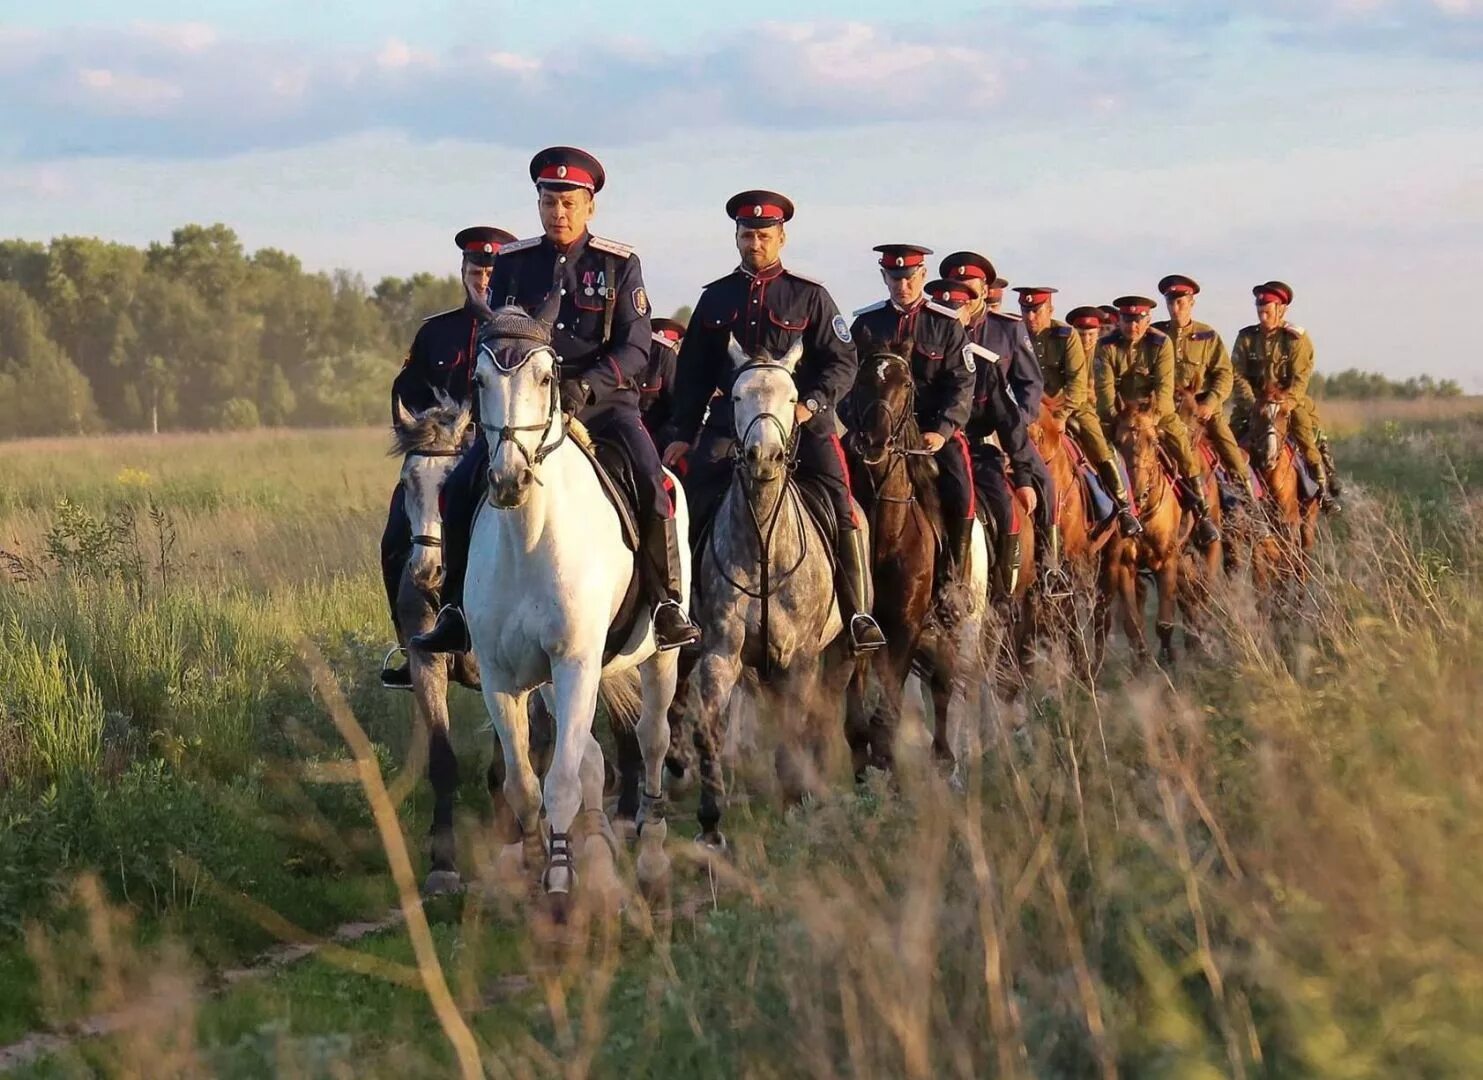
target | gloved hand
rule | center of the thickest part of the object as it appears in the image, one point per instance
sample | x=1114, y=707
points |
x=576, y=395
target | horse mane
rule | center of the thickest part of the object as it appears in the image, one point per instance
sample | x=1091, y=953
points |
x=440, y=427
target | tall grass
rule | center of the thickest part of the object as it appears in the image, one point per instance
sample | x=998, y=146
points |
x=1262, y=863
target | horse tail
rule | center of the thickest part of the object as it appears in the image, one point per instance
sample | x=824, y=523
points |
x=622, y=696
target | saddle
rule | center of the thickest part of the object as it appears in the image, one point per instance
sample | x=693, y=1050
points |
x=615, y=475
x=1307, y=484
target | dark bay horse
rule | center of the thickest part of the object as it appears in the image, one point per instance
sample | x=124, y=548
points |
x=899, y=494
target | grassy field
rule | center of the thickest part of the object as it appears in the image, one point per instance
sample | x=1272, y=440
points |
x=1264, y=863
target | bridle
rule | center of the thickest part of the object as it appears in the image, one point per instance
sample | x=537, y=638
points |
x=893, y=449
x=788, y=435
x=497, y=436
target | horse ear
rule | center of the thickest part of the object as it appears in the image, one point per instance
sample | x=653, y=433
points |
x=550, y=309
x=401, y=417
x=792, y=356
x=738, y=355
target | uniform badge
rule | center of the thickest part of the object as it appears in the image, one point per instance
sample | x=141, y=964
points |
x=641, y=301
x=968, y=358
x=841, y=329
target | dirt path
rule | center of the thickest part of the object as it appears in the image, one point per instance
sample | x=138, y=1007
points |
x=39, y=1044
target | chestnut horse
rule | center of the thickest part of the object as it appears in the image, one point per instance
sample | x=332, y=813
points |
x=1283, y=555
x=900, y=495
x=1157, y=549
x=1202, y=567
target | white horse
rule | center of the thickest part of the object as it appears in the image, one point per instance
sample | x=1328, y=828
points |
x=548, y=572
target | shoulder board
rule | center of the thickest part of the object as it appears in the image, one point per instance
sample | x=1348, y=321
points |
x=1295, y=331
x=1004, y=315
x=1061, y=330
x=519, y=245
x=942, y=309
x=439, y=315
x=1203, y=335
x=1254, y=328
x=802, y=277
x=660, y=339
x=987, y=354
x=1156, y=334
x=722, y=280
x=1164, y=325
x=612, y=247
x=870, y=307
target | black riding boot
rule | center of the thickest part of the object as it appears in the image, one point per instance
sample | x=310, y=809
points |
x=1127, y=521
x=672, y=627
x=952, y=571
x=1205, y=532
x=854, y=592
x=394, y=678
x=1009, y=561
x=1329, y=487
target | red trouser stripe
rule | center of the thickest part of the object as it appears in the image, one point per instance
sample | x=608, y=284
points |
x=844, y=468
x=962, y=444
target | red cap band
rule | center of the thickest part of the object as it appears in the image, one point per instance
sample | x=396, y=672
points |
x=1179, y=290
x=1134, y=309
x=1033, y=299
x=1269, y=297
x=761, y=211
x=897, y=262
x=673, y=335
x=953, y=293
x=967, y=270
x=481, y=247
x=565, y=174
x=1088, y=322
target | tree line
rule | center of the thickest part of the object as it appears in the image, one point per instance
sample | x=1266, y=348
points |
x=197, y=333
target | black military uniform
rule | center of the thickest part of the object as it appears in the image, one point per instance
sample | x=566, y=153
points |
x=601, y=336
x=942, y=368
x=657, y=391
x=767, y=312
x=1007, y=345
x=994, y=414
x=439, y=367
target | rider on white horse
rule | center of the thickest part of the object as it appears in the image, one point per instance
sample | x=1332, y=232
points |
x=438, y=369
x=601, y=336
x=767, y=309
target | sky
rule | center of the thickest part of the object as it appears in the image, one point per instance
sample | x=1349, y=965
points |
x=1089, y=145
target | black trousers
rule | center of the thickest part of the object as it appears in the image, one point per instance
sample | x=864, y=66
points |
x=992, y=487
x=396, y=545
x=955, y=478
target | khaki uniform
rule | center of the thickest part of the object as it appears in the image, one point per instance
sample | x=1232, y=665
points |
x=1127, y=372
x=1202, y=366
x=1282, y=360
x=1063, y=365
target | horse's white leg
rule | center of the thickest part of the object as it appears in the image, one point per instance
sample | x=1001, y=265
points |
x=576, y=683
x=658, y=677
x=715, y=681
x=522, y=790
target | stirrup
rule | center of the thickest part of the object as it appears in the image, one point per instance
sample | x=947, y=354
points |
x=1055, y=583
x=689, y=635
x=387, y=669
x=870, y=624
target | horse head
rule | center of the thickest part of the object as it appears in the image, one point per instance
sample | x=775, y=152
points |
x=1269, y=428
x=429, y=443
x=517, y=378
x=764, y=400
x=1137, y=438
x=883, y=402
x=1048, y=429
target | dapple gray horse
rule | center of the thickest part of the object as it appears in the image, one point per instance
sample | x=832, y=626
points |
x=766, y=599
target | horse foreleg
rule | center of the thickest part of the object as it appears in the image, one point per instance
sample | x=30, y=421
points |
x=857, y=715
x=658, y=677
x=1168, y=582
x=575, y=684
x=520, y=787
x=1130, y=593
x=715, y=680
x=794, y=705
x=430, y=703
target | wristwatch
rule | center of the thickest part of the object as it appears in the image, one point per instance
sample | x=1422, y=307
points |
x=812, y=405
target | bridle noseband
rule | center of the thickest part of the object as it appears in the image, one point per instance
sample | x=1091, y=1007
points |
x=448, y=452
x=788, y=435
x=509, y=433
x=893, y=449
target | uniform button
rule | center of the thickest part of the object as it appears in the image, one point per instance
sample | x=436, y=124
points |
x=561, y=326
x=563, y=292
x=562, y=259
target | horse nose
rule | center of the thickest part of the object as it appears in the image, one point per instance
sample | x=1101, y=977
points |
x=509, y=491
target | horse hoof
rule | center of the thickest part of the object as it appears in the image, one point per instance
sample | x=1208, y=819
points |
x=599, y=874
x=713, y=841
x=652, y=867
x=442, y=883
x=559, y=907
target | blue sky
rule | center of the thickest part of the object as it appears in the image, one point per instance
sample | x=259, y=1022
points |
x=1088, y=144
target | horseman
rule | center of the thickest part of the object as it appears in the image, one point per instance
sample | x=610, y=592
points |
x=439, y=366
x=994, y=418
x=1276, y=355
x=1202, y=367
x=1064, y=366
x=767, y=308
x=601, y=337
x=942, y=370
x=994, y=294
x=657, y=391
x=1136, y=361
x=1007, y=343
x=1087, y=322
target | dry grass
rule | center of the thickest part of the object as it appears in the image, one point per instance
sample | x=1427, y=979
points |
x=1347, y=417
